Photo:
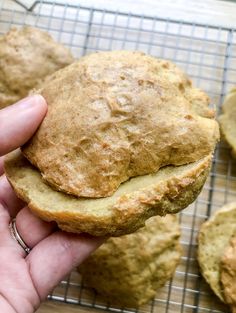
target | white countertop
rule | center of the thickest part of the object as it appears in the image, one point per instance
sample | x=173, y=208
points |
x=214, y=12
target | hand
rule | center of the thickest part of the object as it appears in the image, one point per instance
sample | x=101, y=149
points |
x=26, y=280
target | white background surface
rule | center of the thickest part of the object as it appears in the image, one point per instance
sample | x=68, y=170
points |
x=205, y=11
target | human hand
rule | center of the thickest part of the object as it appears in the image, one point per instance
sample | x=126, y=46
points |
x=26, y=280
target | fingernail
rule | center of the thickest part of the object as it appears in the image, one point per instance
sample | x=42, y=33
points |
x=30, y=101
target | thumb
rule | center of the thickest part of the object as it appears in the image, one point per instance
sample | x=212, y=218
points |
x=18, y=122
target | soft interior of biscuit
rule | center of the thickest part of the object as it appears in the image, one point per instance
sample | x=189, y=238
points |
x=28, y=179
x=168, y=191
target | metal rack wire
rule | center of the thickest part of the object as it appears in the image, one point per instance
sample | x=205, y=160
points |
x=208, y=54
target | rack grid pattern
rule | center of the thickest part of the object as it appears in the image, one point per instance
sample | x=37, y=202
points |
x=208, y=54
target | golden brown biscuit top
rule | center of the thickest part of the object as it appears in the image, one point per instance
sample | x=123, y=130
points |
x=27, y=56
x=115, y=115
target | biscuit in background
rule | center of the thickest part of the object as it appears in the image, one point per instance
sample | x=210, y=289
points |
x=214, y=237
x=228, y=120
x=228, y=274
x=27, y=56
x=128, y=270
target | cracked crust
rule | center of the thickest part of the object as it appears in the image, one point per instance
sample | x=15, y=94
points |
x=169, y=190
x=116, y=115
x=128, y=270
x=214, y=236
x=27, y=56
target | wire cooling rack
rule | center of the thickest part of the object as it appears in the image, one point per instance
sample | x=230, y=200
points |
x=208, y=54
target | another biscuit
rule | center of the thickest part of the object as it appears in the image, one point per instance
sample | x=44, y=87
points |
x=228, y=120
x=27, y=56
x=128, y=270
x=214, y=236
x=228, y=274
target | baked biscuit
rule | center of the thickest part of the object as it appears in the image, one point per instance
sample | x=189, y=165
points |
x=128, y=270
x=116, y=115
x=228, y=120
x=126, y=137
x=27, y=56
x=214, y=236
x=228, y=274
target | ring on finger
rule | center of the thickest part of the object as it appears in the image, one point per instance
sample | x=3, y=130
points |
x=16, y=236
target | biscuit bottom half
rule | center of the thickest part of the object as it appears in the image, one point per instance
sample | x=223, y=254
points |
x=169, y=190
